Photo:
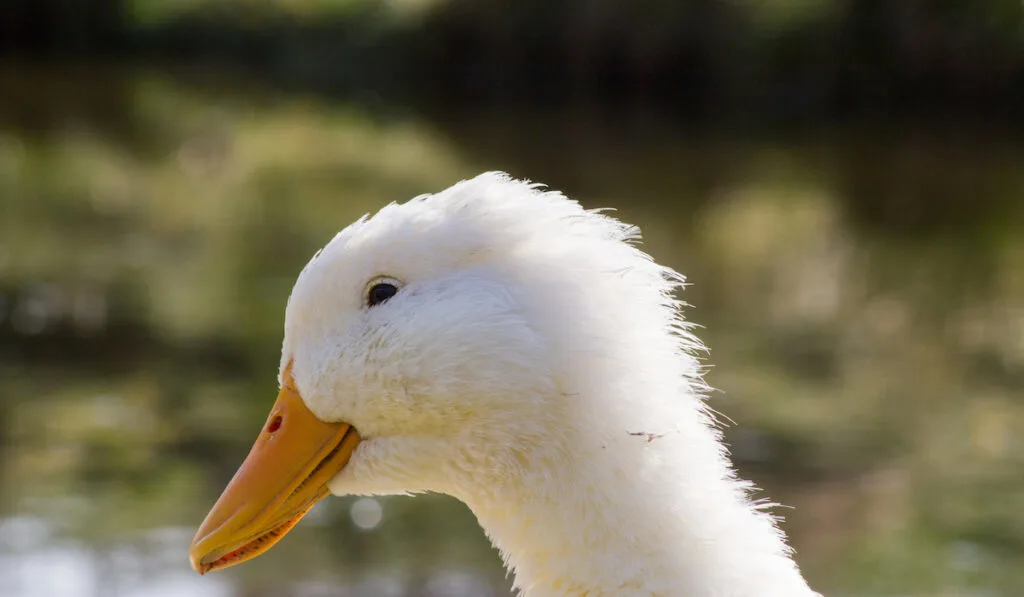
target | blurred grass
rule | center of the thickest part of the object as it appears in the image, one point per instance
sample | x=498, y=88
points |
x=861, y=293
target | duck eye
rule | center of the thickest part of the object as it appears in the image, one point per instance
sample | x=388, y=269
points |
x=379, y=293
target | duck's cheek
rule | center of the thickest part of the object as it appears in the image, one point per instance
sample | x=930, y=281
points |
x=393, y=465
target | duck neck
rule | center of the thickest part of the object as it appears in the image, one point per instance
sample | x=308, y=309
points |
x=635, y=513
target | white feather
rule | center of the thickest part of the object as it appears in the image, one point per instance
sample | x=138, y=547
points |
x=535, y=365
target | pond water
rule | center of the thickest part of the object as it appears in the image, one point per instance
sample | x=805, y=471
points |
x=862, y=292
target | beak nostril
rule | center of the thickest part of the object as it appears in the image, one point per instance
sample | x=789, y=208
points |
x=274, y=424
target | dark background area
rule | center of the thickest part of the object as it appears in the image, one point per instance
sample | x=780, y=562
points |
x=779, y=60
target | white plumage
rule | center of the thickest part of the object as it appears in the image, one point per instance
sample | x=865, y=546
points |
x=533, y=364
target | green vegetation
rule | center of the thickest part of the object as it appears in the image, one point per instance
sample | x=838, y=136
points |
x=872, y=357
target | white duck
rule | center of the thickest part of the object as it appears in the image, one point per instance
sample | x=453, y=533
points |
x=502, y=345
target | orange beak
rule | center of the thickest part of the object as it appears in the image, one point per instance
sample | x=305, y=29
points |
x=284, y=475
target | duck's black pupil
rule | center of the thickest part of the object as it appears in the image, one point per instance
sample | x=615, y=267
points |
x=380, y=293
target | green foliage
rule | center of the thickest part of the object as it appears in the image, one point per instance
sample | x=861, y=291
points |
x=860, y=293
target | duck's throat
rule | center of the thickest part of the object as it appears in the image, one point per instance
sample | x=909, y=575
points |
x=646, y=517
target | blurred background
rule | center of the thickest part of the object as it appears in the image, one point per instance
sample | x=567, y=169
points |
x=841, y=180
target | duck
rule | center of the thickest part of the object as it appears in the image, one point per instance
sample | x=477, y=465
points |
x=499, y=343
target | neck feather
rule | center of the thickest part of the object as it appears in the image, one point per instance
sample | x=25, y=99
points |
x=631, y=492
x=643, y=515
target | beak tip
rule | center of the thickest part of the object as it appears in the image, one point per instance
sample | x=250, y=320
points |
x=196, y=559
